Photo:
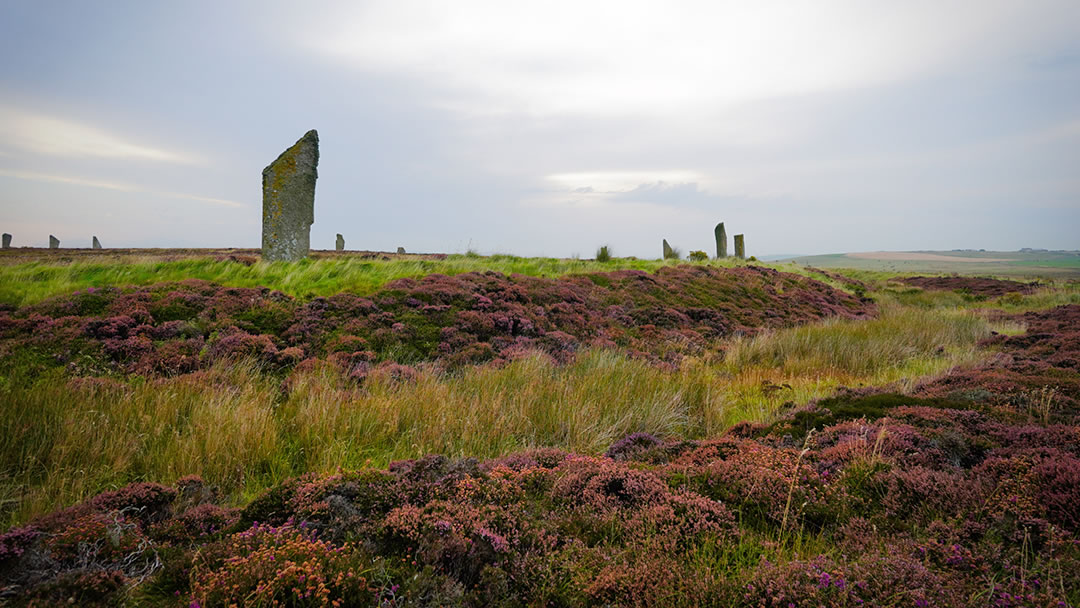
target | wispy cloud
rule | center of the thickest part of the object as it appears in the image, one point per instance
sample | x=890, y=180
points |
x=25, y=131
x=123, y=187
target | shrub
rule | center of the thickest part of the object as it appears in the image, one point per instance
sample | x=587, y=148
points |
x=287, y=565
x=697, y=256
x=603, y=254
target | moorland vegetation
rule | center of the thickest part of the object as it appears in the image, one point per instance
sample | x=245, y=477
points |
x=575, y=433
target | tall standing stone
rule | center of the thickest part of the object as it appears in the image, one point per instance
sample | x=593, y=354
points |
x=339, y=245
x=721, y=240
x=96, y=244
x=54, y=243
x=7, y=241
x=668, y=253
x=740, y=247
x=289, y=201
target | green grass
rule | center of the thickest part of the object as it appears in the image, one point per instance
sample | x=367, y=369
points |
x=31, y=282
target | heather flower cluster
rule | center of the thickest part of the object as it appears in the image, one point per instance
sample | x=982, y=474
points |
x=176, y=328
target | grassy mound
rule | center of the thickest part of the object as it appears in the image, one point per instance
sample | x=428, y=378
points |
x=975, y=286
x=181, y=327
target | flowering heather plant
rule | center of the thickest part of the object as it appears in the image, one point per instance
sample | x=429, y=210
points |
x=279, y=566
x=148, y=501
x=1042, y=360
x=196, y=524
x=471, y=318
x=460, y=539
x=632, y=444
x=96, y=538
x=15, y=542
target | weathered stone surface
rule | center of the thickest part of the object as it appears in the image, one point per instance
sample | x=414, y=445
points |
x=54, y=243
x=740, y=246
x=289, y=201
x=721, y=240
x=340, y=243
x=7, y=241
x=668, y=252
x=97, y=243
x=400, y=250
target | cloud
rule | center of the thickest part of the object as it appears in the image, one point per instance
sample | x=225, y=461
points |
x=51, y=136
x=638, y=57
x=123, y=187
x=666, y=193
x=620, y=181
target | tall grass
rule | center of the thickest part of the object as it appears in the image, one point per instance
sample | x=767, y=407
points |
x=244, y=429
x=897, y=336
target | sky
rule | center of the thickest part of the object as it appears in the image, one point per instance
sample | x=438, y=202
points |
x=547, y=128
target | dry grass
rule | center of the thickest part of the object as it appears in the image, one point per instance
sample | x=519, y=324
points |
x=236, y=426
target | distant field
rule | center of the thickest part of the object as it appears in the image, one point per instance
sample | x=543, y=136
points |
x=1050, y=264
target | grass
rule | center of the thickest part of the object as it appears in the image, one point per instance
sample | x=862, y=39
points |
x=31, y=282
x=236, y=426
x=245, y=428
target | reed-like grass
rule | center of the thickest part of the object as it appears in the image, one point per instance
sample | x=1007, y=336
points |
x=897, y=336
x=242, y=429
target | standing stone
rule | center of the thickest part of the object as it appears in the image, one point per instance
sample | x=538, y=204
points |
x=289, y=201
x=7, y=241
x=721, y=240
x=340, y=244
x=54, y=243
x=668, y=253
x=97, y=243
x=740, y=247
x=401, y=250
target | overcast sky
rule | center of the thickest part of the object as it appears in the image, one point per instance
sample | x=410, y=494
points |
x=547, y=127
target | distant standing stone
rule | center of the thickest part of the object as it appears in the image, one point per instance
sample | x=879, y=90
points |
x=668, y=253
x=289, y=201
x=54, y=243
x=401, y=250
x=7, y=241
x=97, y=243
x=721, y=240
x=340, y=244
x=740, y=247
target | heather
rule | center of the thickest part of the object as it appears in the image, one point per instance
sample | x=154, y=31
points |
x=1037, y=372
x=181, y=327
x=28, y=279
x=315, y=414
x=867, y=497
x=611, y=438
x=975, y=286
